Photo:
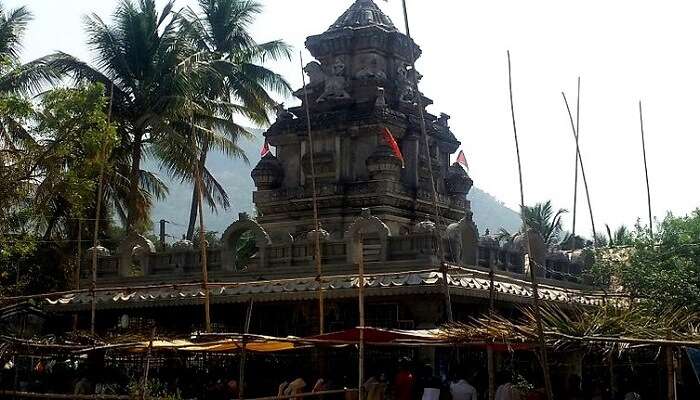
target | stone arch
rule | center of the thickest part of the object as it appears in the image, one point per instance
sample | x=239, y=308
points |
x=234, y=232
x=134, y=253
x=463, y=238
x=366, y=223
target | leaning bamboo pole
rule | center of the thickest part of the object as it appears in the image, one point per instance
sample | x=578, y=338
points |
x=583, y=171
x=426, y=144
x=533, y=265
x=98, y=212
x=578, y=132
x=317, y=225
x=646, y=171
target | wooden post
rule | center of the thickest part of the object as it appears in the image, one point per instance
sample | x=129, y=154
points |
x=426, y=143
x=533, y=265
x=76, y=273
x=244, y=351
x=583, y=171
x=144, y=389
x=199, y=183
x=492, y=308
x=573, y=219
x=361, y=305
x=611, y=366
x=646, y=171
x=670, y=374
x=317, y=225
x=98, y=212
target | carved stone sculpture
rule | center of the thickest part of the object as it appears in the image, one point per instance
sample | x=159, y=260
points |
x=336, y=84
x=463, y=237
x=371, y=69
x=444, y=120
x=283, y=113
x=315, y=72
x=381, y=99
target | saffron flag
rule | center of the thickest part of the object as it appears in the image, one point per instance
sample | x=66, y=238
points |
x=462, y=160
x=391, y=141
x=265, y=149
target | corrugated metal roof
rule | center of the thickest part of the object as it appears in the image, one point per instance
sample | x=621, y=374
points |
x=306, y=288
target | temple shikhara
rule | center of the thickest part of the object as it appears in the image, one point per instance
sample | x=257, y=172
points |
x=421, y=250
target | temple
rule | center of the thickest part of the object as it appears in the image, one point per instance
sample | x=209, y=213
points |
x=360, y=83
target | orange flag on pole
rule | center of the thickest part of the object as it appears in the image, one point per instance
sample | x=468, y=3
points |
x=265, y=149
x=462, y=160
x=391, y=141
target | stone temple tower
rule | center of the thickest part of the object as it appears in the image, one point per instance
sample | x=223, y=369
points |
x=360, y=83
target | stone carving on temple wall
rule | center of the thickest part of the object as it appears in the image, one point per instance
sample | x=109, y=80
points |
x=231, y=237
x=282, y=113
x=371, y=68
x=463, y=238
x=380, y=103
x=134, y=252
x=336, y=84
x=444, y=120
x=366, y=224
x=408, y=93
x=316, y=75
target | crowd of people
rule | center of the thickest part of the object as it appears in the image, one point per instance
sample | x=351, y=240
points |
x=401, y=380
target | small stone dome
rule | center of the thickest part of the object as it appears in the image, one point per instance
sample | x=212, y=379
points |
x=324, y=235
x=458, y=181
x=101, y=251
x=425, y=227
x=268, y=174
x=489, y=240
x=362, y=14
x=383, y=164
x=183, y=244
x=558, y=256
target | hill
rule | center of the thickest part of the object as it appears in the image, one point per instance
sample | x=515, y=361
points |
x=234, y=175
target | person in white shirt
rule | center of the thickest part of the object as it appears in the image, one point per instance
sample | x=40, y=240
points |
x=462, y=390
x=506, y=391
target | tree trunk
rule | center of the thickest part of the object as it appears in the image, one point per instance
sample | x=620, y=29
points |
x=134, y=216
x=195, y=198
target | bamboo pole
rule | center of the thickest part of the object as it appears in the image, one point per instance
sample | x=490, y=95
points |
x=199, y=183
x=98, y=211
x=76, y=273
x=646, y=171
x=670, y=374
x=533, y=265
x=426, y=144
x=573, y=220
x=583, y=171
x=611, y=367
x=144, y=389
x=361, y=305
x=317, y=225
x=244, y=350
x=492, y=309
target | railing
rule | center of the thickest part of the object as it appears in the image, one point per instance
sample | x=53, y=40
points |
x=288, y=256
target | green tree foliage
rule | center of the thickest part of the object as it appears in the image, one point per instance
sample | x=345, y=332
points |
x=663, y=270
x=68, y=142
x=220, y=30
x=542, y=218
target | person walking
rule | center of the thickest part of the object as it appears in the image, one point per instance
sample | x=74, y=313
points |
x=462, y=390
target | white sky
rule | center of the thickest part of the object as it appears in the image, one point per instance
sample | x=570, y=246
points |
x=624, y=50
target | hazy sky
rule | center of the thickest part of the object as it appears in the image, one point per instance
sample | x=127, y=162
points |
x=624, y=50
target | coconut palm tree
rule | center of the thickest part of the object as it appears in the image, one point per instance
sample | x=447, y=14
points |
x=221, y=32
x=544, y=220
x=137, y=58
